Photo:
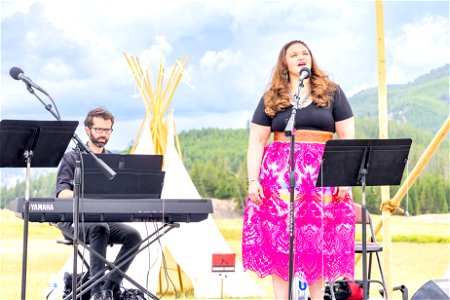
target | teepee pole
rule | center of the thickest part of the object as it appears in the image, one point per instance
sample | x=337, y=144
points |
x=156, y=97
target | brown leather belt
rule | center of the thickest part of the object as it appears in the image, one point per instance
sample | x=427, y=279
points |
x=305, y=136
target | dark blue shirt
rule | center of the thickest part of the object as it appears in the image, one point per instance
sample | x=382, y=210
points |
x=64, y=178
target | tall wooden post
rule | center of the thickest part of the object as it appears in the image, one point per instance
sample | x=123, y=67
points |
x=383, y=127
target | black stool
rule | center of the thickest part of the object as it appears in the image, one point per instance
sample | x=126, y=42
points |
x=373, y=248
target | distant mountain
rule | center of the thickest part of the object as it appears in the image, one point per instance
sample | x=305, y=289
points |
x=216, y=158
x=423, y=103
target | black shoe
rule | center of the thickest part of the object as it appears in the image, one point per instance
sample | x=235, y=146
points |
x=97, y=296
x=103, y=295
x=107, y=295
x=117, y=295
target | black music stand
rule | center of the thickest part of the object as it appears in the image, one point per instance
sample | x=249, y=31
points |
x=38, y=144
x=365, y=162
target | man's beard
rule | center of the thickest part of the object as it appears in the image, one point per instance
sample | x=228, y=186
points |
x=97, y=143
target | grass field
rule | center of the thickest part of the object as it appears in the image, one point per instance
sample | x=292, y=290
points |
x=413, y=263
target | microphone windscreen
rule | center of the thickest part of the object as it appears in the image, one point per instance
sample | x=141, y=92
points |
x=15, y=72
x=303, y=70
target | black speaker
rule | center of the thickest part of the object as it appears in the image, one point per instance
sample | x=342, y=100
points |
x=437, y=289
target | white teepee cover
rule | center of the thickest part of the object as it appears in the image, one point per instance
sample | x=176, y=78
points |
x=145, y=145
x=191, y=245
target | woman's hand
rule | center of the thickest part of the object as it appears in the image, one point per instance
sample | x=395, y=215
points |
x=342, y=192
x=256, y=142
x=255, y=192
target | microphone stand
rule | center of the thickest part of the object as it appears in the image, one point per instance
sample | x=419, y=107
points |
x=47, y=106
x=109, y=173
x=290, y=131
x=28, y=154
x=362, y=175
x=77, y=183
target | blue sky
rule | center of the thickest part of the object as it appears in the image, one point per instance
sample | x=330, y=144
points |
x=74, y=49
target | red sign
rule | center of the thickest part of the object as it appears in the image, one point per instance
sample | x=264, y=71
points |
x=224, y=262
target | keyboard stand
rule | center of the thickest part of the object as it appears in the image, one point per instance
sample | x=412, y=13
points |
x=81, y=290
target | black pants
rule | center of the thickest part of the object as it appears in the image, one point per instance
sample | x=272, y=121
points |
x=99, y=236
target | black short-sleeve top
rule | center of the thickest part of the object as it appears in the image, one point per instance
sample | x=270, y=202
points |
x=311, y=117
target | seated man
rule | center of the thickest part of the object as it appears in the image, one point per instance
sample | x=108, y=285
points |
x=98, y=125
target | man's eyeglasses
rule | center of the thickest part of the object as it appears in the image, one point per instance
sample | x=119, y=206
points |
x=100, y=130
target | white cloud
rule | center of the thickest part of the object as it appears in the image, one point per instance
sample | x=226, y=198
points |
x=12, y=7
x=155, y=54
x=219, y=61
x=57, y=70
x=420, y=47
x=395, y=75
x=75, y=51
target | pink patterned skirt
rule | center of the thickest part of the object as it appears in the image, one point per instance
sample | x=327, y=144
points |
x=324, y=226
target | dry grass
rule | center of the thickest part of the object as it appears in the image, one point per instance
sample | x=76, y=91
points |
x=413, y=264
x=44, y=257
